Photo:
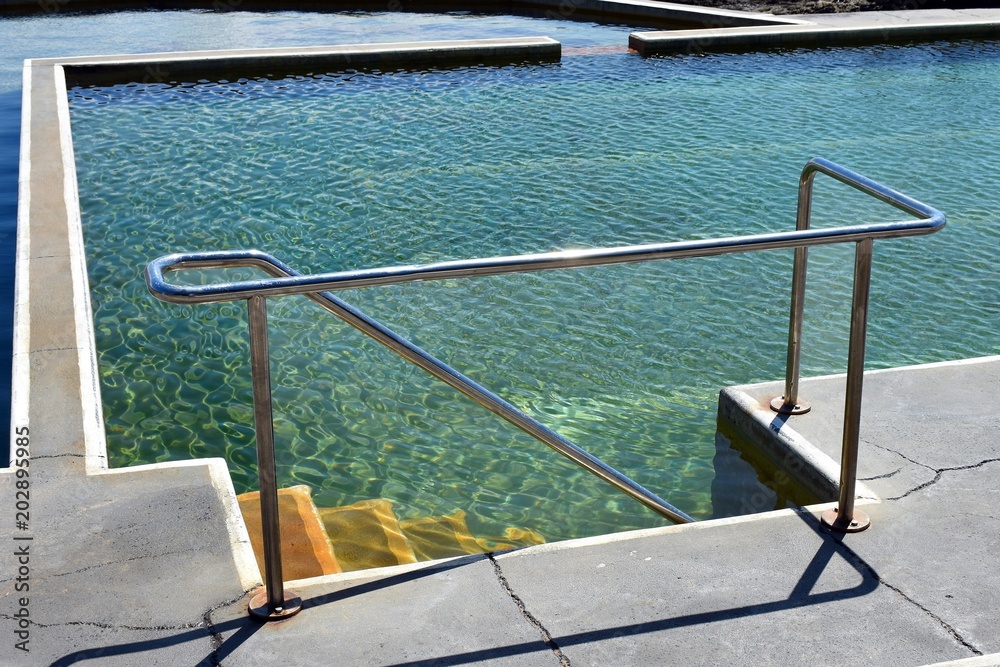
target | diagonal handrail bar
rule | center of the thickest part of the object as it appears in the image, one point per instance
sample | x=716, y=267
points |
x=285, y=281
x=439, y=369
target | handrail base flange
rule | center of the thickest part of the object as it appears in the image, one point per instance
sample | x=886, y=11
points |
x=260, y=607
x=832, y=520
x=799, y=407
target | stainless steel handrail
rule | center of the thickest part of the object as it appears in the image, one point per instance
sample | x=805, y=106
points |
x=285, y=281
x=844, y=518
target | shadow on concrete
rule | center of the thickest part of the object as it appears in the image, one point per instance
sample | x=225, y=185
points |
x=245, y=627
x=99, y=652
x=801, y=596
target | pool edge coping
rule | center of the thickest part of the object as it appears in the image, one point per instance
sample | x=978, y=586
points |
x=824, y=31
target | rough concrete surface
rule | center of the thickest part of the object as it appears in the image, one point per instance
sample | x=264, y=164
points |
x=769, y=592
x=929, y=448
x=118, y=560
x=458, y=613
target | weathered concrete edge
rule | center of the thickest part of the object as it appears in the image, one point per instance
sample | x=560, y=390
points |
x=218, y=473
x=765, y=37
x=165, y=67
x=21, y=358
x=95, y=442
x=302, y=586
x=783, y=445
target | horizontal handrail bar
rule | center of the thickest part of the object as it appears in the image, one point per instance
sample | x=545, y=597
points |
x=565, y=259
x=455, y=379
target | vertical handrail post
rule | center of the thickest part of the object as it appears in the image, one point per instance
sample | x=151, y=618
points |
x=845, y=518
x=273, y=602
x=789, y=403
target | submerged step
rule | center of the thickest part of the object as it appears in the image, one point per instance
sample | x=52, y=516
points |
x=306, y=550
x=436, y=537
x=448, y=536
x=367, y=534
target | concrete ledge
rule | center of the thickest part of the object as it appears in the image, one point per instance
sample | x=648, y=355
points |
x=782, y=445
x=803, y=35
x=169, y=67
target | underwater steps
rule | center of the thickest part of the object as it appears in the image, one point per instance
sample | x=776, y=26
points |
x=367, y=534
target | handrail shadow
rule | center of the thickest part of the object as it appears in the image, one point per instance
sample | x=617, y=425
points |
x=247, y=626
x=243, y=629
x=800, y=597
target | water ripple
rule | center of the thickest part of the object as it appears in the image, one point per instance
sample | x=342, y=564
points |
x=361, y=170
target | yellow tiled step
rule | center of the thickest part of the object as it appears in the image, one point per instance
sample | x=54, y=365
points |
x=367, y=534
x=305, y=548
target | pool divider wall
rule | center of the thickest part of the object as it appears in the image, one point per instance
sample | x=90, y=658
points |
x=21, y=356
x=644, y=13
x=958, y=26
x=188, y=66
x=651, y=13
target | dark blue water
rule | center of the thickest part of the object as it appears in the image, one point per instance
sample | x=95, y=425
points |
x=10, y=120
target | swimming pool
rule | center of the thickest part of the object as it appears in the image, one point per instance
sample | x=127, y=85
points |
x=24, y=37
x=625, y=360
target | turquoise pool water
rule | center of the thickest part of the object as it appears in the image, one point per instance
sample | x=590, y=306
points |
x=72, y=34
x=361, y=170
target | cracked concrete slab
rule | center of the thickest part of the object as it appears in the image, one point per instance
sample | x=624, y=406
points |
x=917, y=420
x=929, y=449
x=121, y=560
x=941, y=547
x=766, y=592
x=87, y=644
x=451, y=613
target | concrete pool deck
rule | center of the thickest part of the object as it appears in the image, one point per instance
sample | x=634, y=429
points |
x=153, y=565
x=150, y=566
